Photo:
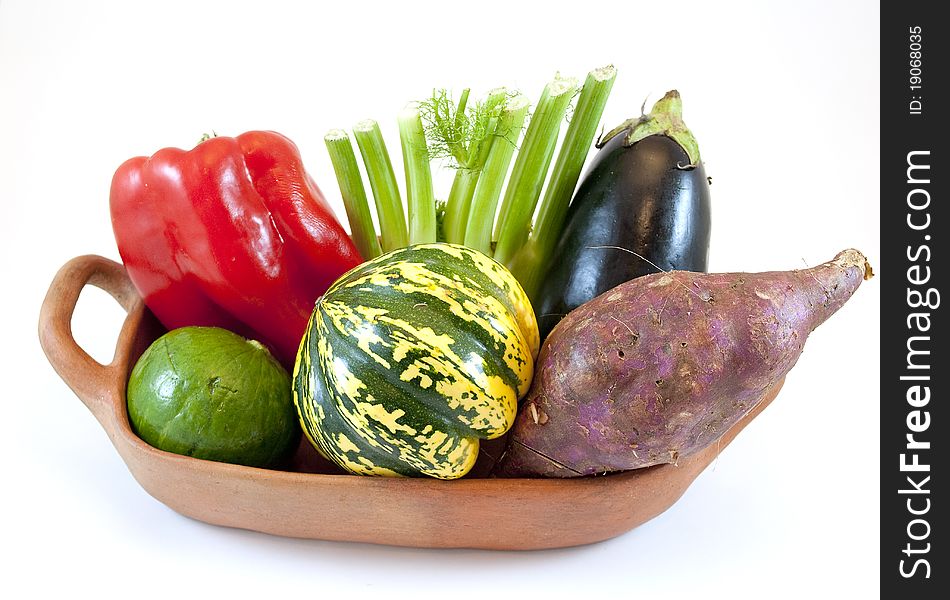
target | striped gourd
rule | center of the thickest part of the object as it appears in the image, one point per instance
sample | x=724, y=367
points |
x=411, y=358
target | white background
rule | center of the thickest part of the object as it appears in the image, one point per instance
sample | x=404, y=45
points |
x=783, y=97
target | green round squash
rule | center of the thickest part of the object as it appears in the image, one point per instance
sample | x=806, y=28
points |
x=410, y=359
x=209, y=393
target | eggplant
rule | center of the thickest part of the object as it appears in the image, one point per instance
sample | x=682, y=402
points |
x=643, y=206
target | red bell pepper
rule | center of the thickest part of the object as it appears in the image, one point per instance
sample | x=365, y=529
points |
x=232, y=234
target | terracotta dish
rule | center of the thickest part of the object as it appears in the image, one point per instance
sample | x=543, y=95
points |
x=315, y=501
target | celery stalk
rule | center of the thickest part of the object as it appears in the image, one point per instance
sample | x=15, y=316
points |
x=530, y=263
x=481, y=218
x=420, y=198
x=463, y=133
x=354, y=194
x=458, y=202
x=531, y=167
x=379, y=169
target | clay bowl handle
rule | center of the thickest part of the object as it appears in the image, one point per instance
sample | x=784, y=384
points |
x=89, y=379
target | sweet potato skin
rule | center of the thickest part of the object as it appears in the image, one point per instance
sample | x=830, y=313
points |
x=663, y=365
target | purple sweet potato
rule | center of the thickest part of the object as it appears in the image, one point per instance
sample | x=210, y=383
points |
x=661, y=366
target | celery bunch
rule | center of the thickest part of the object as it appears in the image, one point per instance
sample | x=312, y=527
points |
x=481, y=140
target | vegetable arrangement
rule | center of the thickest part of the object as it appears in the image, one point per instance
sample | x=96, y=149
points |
x=404, y=363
